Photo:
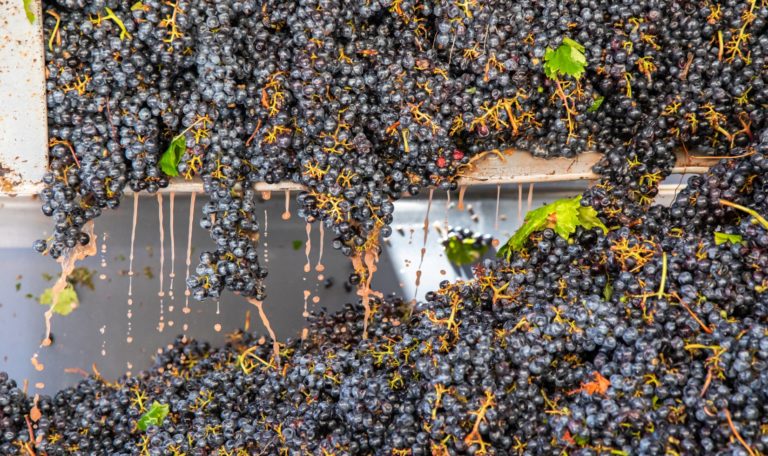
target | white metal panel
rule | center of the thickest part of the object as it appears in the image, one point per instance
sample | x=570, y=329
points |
x=23, y=117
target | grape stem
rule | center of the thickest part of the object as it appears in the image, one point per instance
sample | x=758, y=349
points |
x=749, y=211
x=737, y=435
x=663, y=274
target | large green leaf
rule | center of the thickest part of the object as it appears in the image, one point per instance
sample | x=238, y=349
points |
x=563, y=216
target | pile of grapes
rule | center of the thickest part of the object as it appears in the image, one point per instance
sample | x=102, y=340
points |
x=648, y=338
x=609, y=325
x=362, y=101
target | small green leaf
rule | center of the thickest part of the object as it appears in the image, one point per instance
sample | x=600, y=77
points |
x=722, y=238
x=471, y=90
x=568, y=59
x=169, y=162
x=608, y=290
x=28, y=11
x=67, y=302
x=137, y=6
x=596, y=104
x=154, y=417
x=462, y=252
x=297, y=244
x=580, y=441
x=82, y=276
x=18, y=286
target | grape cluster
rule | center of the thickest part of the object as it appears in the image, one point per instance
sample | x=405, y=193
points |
x=364, y=101
x=650, y=337
x=461, y=234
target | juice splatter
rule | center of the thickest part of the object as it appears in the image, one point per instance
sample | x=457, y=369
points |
x=265, y=321
x=287, y=213
x=365, y=264
x=462, y=190
x=308, y=248
x=68, y=261
x=306, y=297
x=320, y=267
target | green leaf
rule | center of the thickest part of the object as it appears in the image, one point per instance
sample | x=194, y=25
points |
x=82, y=276
x=28, y=10
x=67, y=302
x=608, y=290
x=588, y=219
x=297, y=244
x=154, y=417
x=596, y=104
x=580, y=441
x=18, y=286
x=563, y=216
x=169, y=162
x=722, y=238
x=137, y=6
x=568, y=60
x=461, y=252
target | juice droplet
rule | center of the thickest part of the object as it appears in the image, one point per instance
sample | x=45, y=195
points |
x=306, y=297
x=161, y=274
x=217, y=327
x=37, y=364
x=496, y=217
x=308, y=248
x=129, y=339
x=39, y=385
x=316, y=299
x=424, y=244
x=530, y=196
x=187, y=293
x=320, y=267
x=172, y=274
x=287, y=213
x=462, y=190
x=266, y=195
